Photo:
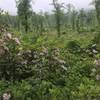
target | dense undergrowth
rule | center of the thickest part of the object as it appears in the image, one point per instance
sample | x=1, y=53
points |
x=50, y=68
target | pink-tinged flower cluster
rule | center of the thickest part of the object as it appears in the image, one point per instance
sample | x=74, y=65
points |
x=6, y=39
x=96, y=70
x=6, y=96
x=97, y=62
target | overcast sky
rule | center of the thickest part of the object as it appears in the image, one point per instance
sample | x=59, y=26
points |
x=10, y=6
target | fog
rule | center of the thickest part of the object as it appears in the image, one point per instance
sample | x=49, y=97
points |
x=44, y=5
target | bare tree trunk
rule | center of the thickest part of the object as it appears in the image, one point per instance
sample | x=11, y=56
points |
x=26, y=24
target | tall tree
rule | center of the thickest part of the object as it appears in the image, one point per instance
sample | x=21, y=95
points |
x=57, y=8
x=70, y=8
x=24, y=12
x=48, y=24
x=97, y=6
x=74, y=16
x=82, y=18
x=41, y=22
x=78, y=24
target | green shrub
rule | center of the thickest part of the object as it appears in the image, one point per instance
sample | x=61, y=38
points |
x=97, y=38
x=74, y=47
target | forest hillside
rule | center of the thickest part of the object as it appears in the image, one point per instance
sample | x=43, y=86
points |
x=50, y=56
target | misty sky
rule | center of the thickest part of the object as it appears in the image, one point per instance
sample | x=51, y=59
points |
x=10, y=6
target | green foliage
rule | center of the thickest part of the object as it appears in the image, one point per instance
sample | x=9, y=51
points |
x=44, y=67
x=47, y=70
x=87, y=90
